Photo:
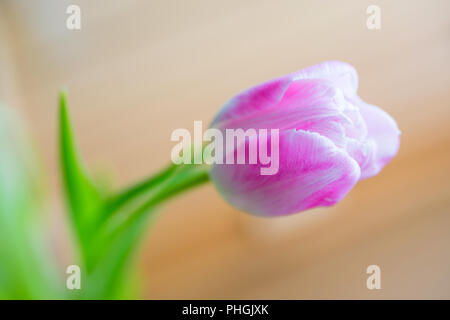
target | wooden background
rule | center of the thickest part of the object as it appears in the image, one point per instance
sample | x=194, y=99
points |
x=137, y=70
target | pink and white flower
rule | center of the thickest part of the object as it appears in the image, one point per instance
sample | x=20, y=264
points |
x=329, y=139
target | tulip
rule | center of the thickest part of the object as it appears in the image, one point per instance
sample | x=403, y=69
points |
x=323, y=139
x=329, y=139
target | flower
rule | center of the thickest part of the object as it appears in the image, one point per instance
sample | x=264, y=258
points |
x=329, y=139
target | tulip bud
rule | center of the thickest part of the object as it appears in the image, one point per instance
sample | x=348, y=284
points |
x=328, y=139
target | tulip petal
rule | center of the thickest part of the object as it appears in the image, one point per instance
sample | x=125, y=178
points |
x=382, y=132
x=341, y=74
x=253, y=100
x=312, y=172
x=310, y=105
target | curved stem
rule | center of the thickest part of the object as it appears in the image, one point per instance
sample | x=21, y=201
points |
x=119, y=200
x=185, y=182
x=169, y=182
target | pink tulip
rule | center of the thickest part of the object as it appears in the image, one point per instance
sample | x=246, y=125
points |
x=329, y=139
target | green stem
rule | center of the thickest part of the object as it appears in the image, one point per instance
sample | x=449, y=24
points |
x=119, y=200
x=158, y=188
x=181, y=183
x=117, y=238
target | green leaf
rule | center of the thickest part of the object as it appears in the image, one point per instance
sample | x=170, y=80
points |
x=109, y=228
x=123, y=230
x=84, y=199
x=27, y=268
x=109, y=279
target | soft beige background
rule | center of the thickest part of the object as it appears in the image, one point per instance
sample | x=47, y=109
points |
x=139, y=69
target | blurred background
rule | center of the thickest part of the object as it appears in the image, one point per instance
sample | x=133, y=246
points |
x=137, y=70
